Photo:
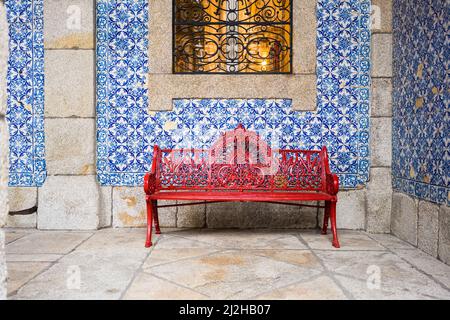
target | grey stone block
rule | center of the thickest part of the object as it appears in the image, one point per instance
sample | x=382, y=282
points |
x=260, y=215
x=22, y=221
x=381, y=142
x=4, y=154
x=444, y=234
x=351, y=210
x=381, y=97
x=404, y=217
x=70, y=146
x=69, y=83
x=3, y=273
x=191, y=216
x=69, y=24
x=22, y=199
x=428, y=227
x=73, y=203
x=382, y=16
x=382, y=55
x=129, y=209
x=379, y=201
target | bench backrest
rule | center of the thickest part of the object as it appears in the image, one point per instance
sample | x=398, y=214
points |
x=240, y=160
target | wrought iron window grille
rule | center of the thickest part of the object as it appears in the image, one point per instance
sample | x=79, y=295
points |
x=232, y=36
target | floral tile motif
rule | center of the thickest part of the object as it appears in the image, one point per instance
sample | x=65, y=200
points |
x=126, y=131
x=421, y=132
x=25, y=113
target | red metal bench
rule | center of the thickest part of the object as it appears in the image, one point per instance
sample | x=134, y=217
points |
x=240, y=166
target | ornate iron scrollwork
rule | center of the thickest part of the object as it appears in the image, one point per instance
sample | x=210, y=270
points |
x=232, y=36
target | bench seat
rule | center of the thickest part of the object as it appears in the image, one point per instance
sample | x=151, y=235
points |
x=260, y=196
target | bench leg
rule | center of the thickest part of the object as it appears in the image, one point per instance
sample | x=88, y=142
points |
x=326, y=217
x=156, y=217
x=333, y=224
x=148, y=242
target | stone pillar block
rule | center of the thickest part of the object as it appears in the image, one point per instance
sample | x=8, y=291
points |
x=4, y=156
x=382, y=55
x=444, y=234
x=70, y=146
x=191, y=216
x=22, y=199
x=382, y=15
x=129, y=209
x=260, y=215
x=379, y=201
x=69, y=83
x=73, y=203
x=428, y=227
x=351, y=210
x=69, y=24
x=381, y=97
x=404, y=217
x=381, y=142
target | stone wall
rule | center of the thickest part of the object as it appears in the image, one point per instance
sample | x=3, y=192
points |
x=422, y=223
x=71, y=197
x=421, y=198
x=4, y=150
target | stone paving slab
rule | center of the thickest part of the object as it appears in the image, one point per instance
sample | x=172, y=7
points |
x=389, y=241
x=232, y=274
x=55, y=242
x=39, y=257
x=320, y=288
x=249, y=239
x=427, y=264
x=395, y=275
x=20, y=273
x=13, y=236
x=349, y=240
x=149, y=287
x=214, y=264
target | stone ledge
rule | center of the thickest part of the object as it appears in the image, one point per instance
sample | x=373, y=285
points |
x=163, y=88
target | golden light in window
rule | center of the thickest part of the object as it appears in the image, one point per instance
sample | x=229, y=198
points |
x=232, y=36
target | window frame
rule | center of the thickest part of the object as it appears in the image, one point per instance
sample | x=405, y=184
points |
x=291, y=47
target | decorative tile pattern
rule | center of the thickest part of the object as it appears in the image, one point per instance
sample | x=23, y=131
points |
x=127, y=131
x=421, y=132
x=25, y=113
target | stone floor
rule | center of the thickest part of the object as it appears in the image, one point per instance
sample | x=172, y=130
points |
x=219, y=264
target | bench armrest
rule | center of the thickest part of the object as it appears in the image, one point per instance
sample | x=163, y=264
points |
x=332, y=183
x=149, y=183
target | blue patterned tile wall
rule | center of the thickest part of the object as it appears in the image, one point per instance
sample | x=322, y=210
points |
x=25, y=112
x=126, y=131
x=421, y=132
